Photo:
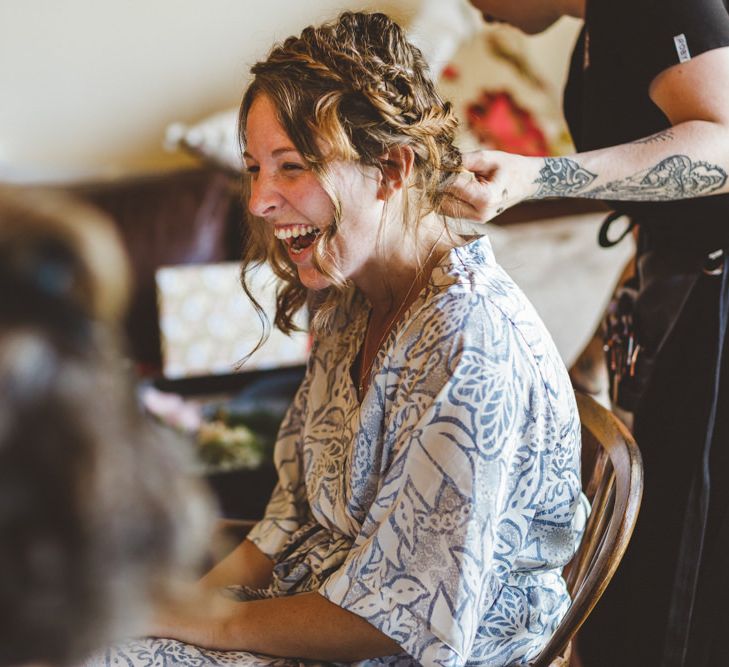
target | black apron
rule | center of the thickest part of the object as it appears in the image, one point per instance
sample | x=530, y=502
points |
x=666, y=605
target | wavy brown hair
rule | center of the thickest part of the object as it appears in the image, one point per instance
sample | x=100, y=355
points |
x=351, y=89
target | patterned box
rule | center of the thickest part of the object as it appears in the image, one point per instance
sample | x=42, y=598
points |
x=208, y=324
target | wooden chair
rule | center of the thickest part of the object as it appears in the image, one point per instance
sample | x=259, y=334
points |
x=613, y=482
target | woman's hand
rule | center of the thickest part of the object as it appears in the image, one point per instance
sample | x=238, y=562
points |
x=196, y=619
x=306, y=625
x=494, y=182
x=246, y=565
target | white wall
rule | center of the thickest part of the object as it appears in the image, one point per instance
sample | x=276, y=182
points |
x=88, y=86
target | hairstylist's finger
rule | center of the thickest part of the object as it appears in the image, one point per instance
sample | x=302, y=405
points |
x=482, y=163
x=454, y=207
x=468, y=197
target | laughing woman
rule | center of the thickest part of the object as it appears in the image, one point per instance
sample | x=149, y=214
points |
x=429, y=489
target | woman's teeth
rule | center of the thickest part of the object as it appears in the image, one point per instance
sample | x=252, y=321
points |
x=294, y=232
x=297, y=238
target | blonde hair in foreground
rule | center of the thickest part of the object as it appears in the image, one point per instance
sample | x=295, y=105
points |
x=352, y=90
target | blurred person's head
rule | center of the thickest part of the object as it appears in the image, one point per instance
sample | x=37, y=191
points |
x=349, y=149
x=97, y=511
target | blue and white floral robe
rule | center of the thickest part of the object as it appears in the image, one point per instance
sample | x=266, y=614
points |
x=442, y=508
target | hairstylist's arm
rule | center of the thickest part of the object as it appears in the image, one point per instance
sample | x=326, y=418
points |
x=690, y=159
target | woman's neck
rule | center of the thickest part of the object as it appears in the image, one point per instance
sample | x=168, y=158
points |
x=401, y=266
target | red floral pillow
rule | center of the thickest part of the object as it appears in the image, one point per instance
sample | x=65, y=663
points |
x=500, y=97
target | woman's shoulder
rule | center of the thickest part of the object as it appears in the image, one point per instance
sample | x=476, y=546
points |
x=472, y=269
x=470, y=280
x=473, y=300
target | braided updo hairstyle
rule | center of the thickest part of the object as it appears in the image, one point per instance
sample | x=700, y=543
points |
x=351, y=89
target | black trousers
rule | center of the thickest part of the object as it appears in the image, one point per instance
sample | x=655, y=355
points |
x=628, y=626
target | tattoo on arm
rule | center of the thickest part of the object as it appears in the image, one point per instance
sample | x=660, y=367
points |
x=676, y=177
x=562, y=177
x=657, y=138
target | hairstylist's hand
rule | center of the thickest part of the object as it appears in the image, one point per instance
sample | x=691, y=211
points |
x=494, y=182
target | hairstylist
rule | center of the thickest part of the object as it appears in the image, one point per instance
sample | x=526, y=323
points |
x=647, y=101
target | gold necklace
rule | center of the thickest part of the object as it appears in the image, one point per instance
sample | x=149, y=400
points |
x=364, y=376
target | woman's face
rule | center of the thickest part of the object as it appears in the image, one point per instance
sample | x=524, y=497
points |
x=530, y=16
x=287, y=195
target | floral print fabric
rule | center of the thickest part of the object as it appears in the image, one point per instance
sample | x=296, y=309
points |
x=442, y=508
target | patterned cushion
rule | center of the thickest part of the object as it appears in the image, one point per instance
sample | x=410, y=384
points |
x=486, y=71
x=500, y=97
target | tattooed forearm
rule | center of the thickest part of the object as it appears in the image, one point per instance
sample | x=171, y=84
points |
x=562, y=177
x=676, y=177
x=657, y=138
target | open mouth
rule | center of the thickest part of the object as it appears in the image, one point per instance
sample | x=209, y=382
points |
x=297, y=237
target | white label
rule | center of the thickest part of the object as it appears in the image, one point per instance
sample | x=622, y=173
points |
x=684, y=55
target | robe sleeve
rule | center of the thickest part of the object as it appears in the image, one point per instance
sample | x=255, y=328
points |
x=471, y=409
x=288, y=507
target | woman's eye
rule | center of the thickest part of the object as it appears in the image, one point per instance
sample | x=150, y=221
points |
x=292, y=166
x=251, y=169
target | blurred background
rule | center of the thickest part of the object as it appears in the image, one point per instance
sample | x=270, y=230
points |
x=131, y=106
x=90, y=87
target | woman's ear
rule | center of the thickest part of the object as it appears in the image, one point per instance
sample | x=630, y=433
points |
x=397, y=165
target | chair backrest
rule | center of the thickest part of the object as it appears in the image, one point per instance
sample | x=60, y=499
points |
x=613, y=482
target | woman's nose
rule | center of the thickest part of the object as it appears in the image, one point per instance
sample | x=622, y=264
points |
x=265, y=198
